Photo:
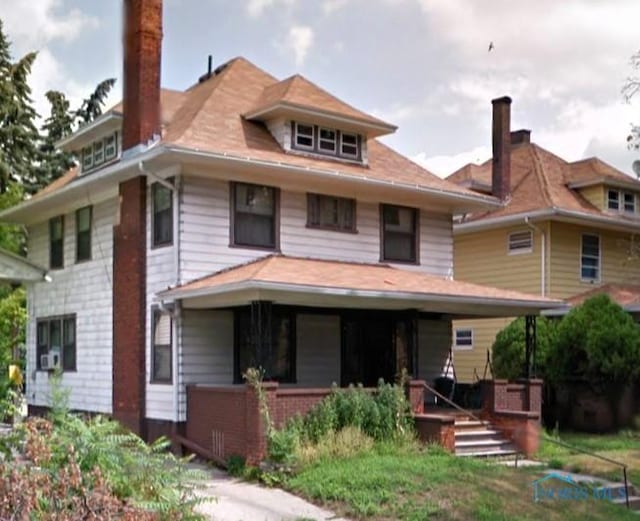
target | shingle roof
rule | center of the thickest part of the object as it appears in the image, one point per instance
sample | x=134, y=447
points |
x=339, y=275
x=209, y=117
x=299, y=91
x=541, y=180
x=623, y=294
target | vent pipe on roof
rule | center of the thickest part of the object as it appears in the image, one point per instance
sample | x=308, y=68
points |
x=142, y=58
x=209, y=72
x=501, y=141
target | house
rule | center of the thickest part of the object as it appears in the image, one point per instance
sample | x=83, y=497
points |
x=246, y=221
x=565, y=231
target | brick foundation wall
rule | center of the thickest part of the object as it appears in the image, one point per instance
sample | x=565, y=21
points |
x=415, y=393
x=291, y=402
x=521, y=395
x=521, y=427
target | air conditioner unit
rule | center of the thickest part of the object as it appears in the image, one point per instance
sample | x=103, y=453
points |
x=50, y=361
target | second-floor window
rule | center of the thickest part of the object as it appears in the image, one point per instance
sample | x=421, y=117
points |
x=56, y=343
x=83, y=234
x=331, y=213
x=590, y=258
x=56, y=242
x=254, y=215
x=399, y=233
x=162, y=212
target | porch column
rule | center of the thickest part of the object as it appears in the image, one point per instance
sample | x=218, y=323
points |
x=261, y=313
x=530, y=343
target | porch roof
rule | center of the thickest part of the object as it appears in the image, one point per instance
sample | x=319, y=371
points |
x=326, y=283
x=14, y=268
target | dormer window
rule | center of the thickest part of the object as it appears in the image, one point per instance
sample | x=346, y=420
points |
x=100, y=152
x=621, y=201
x=326, y=141
x=613, y=200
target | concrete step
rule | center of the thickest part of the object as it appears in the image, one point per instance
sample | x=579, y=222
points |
x=477, y=434
x=486, y=449
x=634, y=502
x=494, y=453
x=473, y=425
x=485, y=442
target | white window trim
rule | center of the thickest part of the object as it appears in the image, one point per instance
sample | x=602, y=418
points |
x=519, y=251
x=462, y=347
x=624, y=203
x=312, y=136
x=89, y=163
x=322, y=140
x=609, y=199
x=599, y=277
x=356, y=144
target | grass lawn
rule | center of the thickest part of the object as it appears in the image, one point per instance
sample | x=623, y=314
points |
x=623, y=447
x=408, y=484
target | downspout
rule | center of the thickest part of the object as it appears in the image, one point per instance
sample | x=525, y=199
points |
x=543, y=256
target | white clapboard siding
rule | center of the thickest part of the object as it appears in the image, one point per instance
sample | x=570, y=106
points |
x=318, y=350
x=161, y=273
x=206, y=356
x=83, y=289
x=434, y=340
x=204, y=226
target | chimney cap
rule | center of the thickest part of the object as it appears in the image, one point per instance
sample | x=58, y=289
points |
x=503, y=99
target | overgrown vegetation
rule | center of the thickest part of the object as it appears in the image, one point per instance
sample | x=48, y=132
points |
x=73, y=467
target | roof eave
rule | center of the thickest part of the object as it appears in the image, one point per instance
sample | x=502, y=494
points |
x=86, y=133
x=617, y=183
x=370, y=128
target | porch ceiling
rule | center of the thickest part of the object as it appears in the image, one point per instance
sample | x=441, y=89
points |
x=333, y=284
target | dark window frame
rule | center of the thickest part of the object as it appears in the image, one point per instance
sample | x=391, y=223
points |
x=416, y=234
x=56, y=246
x=63, y=321
x=598, y=266
x=233, y=242
x=156, y=314
x=315, y=200
x=315, y=148
x=84, y=235
x=157, y=240
x=280, y=312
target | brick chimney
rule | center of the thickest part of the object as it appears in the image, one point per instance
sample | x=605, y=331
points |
x=521, y=137
x=141, y=123
x=501, y=137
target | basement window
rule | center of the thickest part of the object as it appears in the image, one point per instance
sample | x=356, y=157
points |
x=520, y=242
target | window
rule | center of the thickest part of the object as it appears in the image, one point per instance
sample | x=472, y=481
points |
x=590, y=258
x=399, y=237
x=57, y=336
x=333, y=213
x=326, y=141
x=83, y=234
x=277, y=357
x=253, y=215
x=520, y=242
x=162, y=211
x=463, y=339
x=304, y=136
x=613, y=200
x=349, y=145
x=100, y=152
x=161, y=356
x=56, y=242
x=629, y=202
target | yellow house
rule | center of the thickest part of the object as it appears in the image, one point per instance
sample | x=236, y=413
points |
x=565, y=228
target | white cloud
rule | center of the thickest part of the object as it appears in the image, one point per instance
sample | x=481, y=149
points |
x=300, y=40
x=255, y=8
x=444, y=165
x=330, y=6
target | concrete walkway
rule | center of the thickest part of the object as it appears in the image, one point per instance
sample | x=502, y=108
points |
x=241, y=501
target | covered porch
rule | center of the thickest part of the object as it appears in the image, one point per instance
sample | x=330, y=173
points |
x=311, y=324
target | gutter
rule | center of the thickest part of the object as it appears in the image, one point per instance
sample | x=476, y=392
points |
x=178, y=294
x=543, y=256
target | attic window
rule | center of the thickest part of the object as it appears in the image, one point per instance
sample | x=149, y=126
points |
x=613, y=200
x=618, y=201
x=520, y=242
x=326, y=141
x=100, y=152
x=629, y=202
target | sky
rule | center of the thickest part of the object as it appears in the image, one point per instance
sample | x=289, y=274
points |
x=423, y=65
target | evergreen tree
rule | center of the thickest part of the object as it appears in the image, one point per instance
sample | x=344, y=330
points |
x=91, y=107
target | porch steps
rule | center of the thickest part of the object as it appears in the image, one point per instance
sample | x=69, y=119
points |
x=480, y=439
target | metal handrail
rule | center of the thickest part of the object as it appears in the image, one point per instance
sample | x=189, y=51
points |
x=598, y=456
x=450, y=402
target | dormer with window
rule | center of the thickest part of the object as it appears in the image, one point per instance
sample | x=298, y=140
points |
x=306, y=120
x=99, y=153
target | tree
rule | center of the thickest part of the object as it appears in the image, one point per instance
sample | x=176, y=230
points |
x=91, y=107
x=629, y=90
x=508, y=350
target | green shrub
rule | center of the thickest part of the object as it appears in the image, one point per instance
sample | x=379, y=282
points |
x=346, y=443
x=236, y=466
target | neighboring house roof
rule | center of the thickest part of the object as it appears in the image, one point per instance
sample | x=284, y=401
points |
x=543, y=183
x=625, y=295
x=305, y=281
x=208, y=119
x=14, y=268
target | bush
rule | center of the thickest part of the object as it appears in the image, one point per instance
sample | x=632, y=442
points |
x=509, y=348
x=346, y=443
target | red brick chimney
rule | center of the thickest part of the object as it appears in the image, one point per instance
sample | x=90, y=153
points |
x=501, y=137
x=142, y=57
x=141, y=123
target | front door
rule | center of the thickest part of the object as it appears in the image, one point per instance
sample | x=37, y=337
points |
x=370, y=342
